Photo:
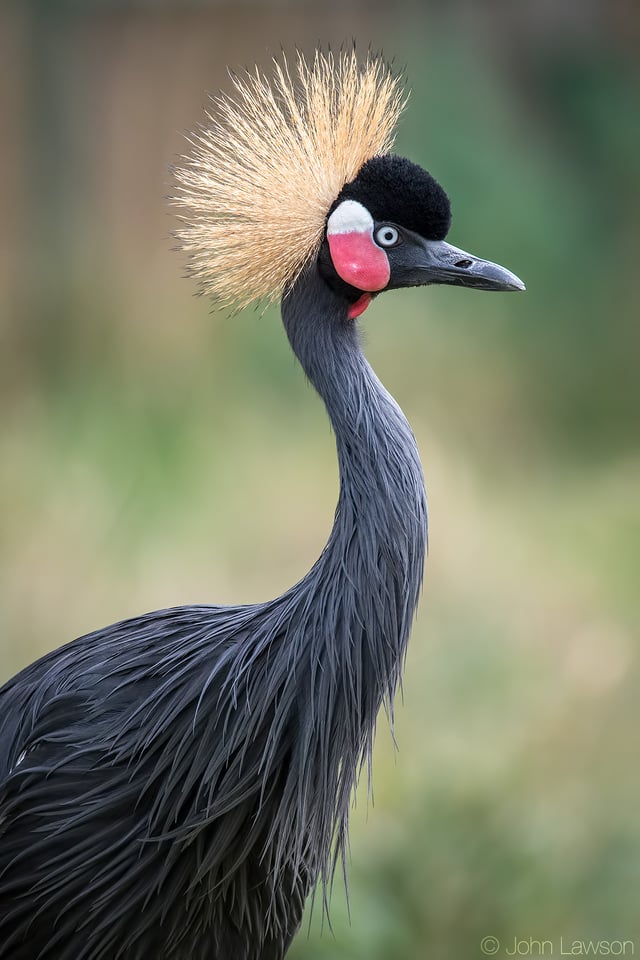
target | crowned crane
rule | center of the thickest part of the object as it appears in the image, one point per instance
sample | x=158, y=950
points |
x=173, y=786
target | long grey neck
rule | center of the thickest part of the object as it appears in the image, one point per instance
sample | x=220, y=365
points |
x=375, y=554
x=348, y=620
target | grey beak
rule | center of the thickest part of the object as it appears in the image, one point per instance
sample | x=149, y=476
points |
x=444, y=263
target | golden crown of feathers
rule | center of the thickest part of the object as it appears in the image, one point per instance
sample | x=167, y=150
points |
x=265, y=169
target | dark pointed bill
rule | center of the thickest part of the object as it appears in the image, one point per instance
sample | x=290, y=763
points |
x=444, y=263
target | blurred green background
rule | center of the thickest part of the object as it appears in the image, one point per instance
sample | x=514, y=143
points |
x=154, y=452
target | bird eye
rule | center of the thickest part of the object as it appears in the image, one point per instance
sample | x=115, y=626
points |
x=387, y=236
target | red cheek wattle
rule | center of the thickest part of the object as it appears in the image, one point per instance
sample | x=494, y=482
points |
x=358, y=261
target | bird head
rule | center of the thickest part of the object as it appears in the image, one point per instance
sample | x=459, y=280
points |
x=299, y=168
x=387, y=229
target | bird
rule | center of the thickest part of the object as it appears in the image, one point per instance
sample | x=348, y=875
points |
x=178, y=785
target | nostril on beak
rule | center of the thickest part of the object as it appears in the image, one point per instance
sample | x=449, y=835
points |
x=463, y=263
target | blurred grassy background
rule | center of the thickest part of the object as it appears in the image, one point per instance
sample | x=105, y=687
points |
x=153, y=452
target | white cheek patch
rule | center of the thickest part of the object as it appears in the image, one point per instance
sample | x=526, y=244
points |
x=350, y=217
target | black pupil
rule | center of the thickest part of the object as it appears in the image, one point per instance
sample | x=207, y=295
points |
x=388, y=235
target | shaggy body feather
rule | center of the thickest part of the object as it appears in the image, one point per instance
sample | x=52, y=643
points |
x=137, y=764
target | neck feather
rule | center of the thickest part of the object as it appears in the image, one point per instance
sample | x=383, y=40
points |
x=359, y=598
x=382, y=503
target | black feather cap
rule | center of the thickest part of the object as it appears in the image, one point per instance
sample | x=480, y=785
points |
x=394, y=189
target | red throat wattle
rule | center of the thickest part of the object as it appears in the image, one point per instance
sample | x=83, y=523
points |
x=359, y=306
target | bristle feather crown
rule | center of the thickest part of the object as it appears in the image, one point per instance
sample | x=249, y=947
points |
x=264, y=171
